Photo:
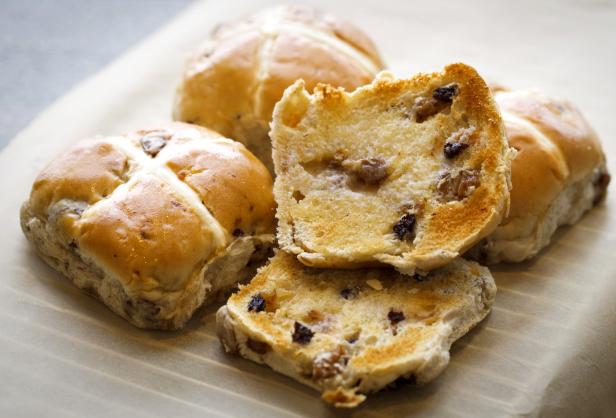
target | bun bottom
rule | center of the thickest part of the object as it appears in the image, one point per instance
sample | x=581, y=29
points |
x=509, y=243
x=207, y=284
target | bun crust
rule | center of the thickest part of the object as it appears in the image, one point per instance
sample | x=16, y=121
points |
x=369, y=178
x=147, y=212
x=558, y=173
x=232, y=84
x=360, y=330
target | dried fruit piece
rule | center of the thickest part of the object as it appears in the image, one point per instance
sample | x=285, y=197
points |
x=301, y=333
x=457, y=185
x=424, y=108
x=405, y=227
x=329, y=364
x=452, y=149
x=257, y=303
x=258, y=347
x=601, y=183
x=445, y=93
x=371, y=170
x=395, y=316
x=458, y=142
x=153, y=143
x=349, y=292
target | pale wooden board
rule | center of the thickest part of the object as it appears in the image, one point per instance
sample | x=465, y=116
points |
x=546, y=348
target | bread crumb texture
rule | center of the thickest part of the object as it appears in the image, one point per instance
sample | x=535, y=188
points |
x=332, y=330
x=406, y=172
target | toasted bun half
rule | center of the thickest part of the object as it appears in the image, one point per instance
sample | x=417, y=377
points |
x=406, y=172
x=347, y=333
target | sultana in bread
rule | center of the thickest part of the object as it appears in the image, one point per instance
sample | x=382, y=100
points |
x=347, y=333
x=409, y=173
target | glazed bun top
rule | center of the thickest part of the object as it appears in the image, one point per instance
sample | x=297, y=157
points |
x=556, y=147
x=233, y=82
x=152, y=205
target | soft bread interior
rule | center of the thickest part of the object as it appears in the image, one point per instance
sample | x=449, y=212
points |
x=353, y=167
x=350, y=332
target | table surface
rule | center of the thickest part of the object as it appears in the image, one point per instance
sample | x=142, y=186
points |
x=545, y=350
x=47, y=46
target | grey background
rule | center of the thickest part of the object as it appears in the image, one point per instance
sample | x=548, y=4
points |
x=48, y=46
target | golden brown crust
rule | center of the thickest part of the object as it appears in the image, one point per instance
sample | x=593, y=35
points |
x=318, y=63
x=340, y=28
x=557, y=174
x=573, y=140
x=219, y=82
x=149, y=236
x=364, y=328
x=88, y=172
x=466, y=224
x=538, y=171
x=330, y=219
x=232, y=85
x=126, y=202
x=230, y=181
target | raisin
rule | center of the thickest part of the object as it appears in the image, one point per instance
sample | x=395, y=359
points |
x=73, y=245
x=603, y=180
x=405, y=227
x=257, y=346
x=237, y=232
x=452, y=149
x=395, y=316
x=313, y=316
x=65, y=207
x=349, y=293
x=298, y=196
x=301, y=333
x=371, y=170
x=458, y=141
x=445, y=93
x=257, y=303
x=424, y=109
x=153, y=143
x=329, y=364
x=601, y=184
x=457, y=186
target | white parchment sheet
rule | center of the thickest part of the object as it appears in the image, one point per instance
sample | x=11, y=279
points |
x=547, y=349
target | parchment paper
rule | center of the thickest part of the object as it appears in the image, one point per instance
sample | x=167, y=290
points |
x=547, y=349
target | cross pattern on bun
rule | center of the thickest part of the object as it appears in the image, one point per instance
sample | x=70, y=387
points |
x=350, y=332
x=233, y=82
x=558, y=173
x=155, y=222
x=409, y=173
